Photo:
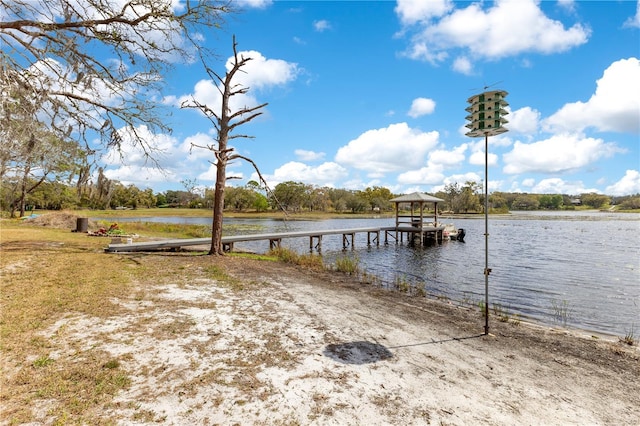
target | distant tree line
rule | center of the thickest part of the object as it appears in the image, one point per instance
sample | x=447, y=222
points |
x=294, y=197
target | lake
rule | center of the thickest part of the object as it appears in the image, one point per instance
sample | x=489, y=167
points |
x=575, y=269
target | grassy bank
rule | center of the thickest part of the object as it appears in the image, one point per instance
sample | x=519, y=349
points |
x=181, y=212
x=50, y=274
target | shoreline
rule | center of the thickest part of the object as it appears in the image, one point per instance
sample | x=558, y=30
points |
x=178, y=338
x=187, y=213
x=545, y=318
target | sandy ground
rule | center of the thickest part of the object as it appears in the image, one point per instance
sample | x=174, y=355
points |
x=320, y=349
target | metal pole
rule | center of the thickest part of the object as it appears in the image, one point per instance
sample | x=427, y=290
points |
x=486, y=234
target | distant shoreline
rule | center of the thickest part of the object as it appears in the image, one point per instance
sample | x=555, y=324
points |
x=184, y=212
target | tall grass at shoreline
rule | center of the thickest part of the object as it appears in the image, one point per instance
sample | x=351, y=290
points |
x=169, y=230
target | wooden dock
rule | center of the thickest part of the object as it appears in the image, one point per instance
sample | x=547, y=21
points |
x=423, y=233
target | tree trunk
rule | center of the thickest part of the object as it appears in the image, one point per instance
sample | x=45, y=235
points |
x=218, y=210
x=225, y=122
x=23, y=190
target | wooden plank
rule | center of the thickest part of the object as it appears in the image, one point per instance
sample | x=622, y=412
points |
x=156, y=245
x=273, y=238
x=229, y=240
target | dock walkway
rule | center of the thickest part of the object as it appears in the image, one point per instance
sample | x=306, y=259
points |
x=275, y=239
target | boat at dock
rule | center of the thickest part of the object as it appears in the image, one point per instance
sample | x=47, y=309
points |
x=452, y=233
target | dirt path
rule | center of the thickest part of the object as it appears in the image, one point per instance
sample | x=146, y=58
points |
x=316, y=348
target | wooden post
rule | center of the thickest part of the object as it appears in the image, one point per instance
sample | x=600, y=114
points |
x=274, y=242
x=318, y=246
x=345, y=241
x=377, y=237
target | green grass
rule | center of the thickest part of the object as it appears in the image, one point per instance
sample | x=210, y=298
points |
x=43, y=361
x=156, y=229
x=185, y=212
x=309, y=261
x=402, y=284
x=630, y=337
x=501, y=312
x=347, y=264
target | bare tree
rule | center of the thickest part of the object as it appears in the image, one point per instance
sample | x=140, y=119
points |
x=94, y=67
x=225, y=122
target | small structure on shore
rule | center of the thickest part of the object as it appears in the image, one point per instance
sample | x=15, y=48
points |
x=412, y=220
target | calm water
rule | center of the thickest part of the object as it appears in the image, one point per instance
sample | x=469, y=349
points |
x=575, y=269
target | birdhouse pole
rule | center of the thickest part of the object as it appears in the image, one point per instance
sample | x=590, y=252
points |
x=486, y=118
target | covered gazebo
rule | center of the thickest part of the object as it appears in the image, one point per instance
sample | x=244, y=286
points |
x=416, y=202
x=415, y=222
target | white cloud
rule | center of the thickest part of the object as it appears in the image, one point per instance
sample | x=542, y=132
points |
x=161, y=33
x=424, y=176
x=394, y=148
x=141, y=177
x=172, y=159
x=209, y=175
x=558, y=154
x=477, y=159
x=463, y=65
x=130, y=153
x=55, y=76
x=304, y=155
x=448, y=158
x=170, y=100
x=421, y=106
x=259, y=74
x=615, y=106
x=432, y=173
x=524, y=121
x=326, y=174
x=413, y=11
x=204, y=91
x=508, y=28
x=192, y=152
x=322, y=25
x=256, y=4
x=357, y=183
x=629, y=184
x=559, y=186
x=462, y=178
x=569, y=5
x=634, y=21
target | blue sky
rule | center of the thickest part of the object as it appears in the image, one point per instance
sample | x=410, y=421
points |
x=368, y=94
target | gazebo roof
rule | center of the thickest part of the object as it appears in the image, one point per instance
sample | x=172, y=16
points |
x=417, y=197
